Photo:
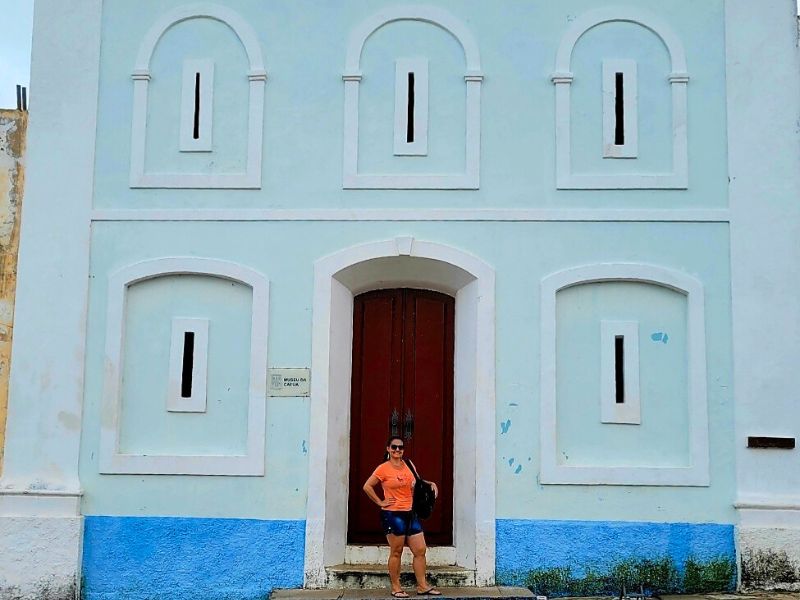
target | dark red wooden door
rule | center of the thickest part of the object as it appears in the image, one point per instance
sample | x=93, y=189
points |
x=402, y=385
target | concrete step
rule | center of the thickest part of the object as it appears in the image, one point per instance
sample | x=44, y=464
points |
x=450, y=593
x=375, y=576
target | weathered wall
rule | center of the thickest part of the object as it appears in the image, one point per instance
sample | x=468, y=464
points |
x=13, y=125
x=765, y=261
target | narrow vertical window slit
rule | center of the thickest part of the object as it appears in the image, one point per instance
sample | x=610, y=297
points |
x=196, y=131
x=188, y=364
x=619, y=367
x=410, y=118
x=619, y=108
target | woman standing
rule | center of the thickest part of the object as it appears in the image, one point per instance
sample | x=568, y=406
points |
x=400, y=524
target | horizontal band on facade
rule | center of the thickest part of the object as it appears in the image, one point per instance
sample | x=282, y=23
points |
x=413, y=214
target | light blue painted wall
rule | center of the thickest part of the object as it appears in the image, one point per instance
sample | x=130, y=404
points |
x=198, y=39
x=145, y=425
x=662, y=439
x=522, y=253
x=304, y=53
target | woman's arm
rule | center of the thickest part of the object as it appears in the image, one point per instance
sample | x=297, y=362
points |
x=369, y=489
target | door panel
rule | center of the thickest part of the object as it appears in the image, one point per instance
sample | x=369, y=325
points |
x=402, y=368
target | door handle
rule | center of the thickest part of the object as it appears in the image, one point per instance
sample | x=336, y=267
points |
x=409, y=425
x=394, y=422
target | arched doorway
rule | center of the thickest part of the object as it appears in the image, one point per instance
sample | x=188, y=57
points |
x=399, y=263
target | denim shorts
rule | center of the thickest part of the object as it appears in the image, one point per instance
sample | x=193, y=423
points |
x=400, y=522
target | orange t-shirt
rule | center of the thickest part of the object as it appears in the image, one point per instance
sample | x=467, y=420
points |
x=397, y=484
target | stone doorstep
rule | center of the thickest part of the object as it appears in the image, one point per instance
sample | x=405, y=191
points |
x=451, y=593
x=376, y=577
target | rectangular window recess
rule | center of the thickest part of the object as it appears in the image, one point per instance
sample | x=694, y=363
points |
x=197, y=106
x=619, y=368
x=188, y=365
x=411, y=107
x=773, y=443
x=620, y=109
x=619, y=372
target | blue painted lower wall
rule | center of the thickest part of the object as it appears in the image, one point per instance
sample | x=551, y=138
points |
x=591, y=557
x=172, y=558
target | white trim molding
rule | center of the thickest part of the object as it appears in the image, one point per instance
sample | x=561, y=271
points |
x=629, y=410
x=402, y=262
x=697, y=471
x=629, y=148
x=404, y=94
x=196, y=401
x=252, y=462
x=632, y=215
x=257, y=76
x=473, y=78
x=678, y=78
x=197, y=106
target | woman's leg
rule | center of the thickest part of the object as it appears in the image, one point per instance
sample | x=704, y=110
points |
x=396, y=543
x=418, y=549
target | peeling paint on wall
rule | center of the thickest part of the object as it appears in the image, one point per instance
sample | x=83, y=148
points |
x=13, y=125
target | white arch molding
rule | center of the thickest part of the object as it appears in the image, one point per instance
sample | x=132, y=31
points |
x=470, y=179
x=393, y=263
x=697, y=472
x=678, y=77
x=257, y=75
x=252, y=462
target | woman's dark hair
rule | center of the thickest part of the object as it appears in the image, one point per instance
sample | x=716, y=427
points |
x=389, y=441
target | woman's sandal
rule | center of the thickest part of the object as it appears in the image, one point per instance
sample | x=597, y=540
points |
x=400, y=594
x=431, y=591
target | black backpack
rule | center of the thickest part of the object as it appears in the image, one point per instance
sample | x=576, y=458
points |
x=424, y=498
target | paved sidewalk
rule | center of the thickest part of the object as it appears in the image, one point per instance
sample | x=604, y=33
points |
x=739, y=596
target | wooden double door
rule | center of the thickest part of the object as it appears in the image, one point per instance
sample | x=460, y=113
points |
x=402, y=384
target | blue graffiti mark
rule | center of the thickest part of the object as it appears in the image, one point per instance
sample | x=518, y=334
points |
x=305, y=449
x=529, y=459
x=505, y=426
x=510, y=461
x=513, y=404
x=660, y=336
x=518, y=470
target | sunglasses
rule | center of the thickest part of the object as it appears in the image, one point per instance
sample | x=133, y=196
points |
x=396, y=447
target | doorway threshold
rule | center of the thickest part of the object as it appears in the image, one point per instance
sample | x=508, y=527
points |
x=437, y=556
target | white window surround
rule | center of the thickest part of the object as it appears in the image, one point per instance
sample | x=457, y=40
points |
x=398, y=262
x=257, y=75
x=697, y=472
x=196, y=402
x=611, y=411
x=630, y=121
x=419, y=67
x=252, y=462
x=470, y=179
x=678, y=78
x=197, y=73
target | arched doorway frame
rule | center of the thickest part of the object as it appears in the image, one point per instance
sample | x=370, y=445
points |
x=402, y=261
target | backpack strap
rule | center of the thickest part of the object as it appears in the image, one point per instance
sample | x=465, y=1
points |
x=413, y=470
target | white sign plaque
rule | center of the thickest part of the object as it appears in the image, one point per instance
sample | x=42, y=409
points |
x=289, y=382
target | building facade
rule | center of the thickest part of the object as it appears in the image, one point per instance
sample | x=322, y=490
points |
x=551, y=245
